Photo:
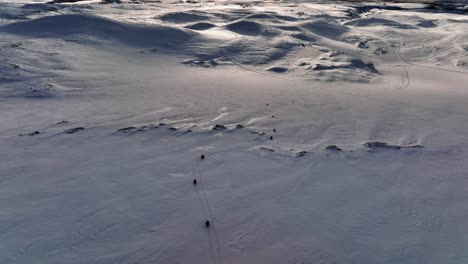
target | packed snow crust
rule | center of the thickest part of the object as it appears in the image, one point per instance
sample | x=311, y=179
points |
x=331, y=132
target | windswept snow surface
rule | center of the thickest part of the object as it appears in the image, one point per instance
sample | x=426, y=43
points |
x=331, y=132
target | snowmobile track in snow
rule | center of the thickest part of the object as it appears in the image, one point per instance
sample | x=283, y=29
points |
x=213, y=239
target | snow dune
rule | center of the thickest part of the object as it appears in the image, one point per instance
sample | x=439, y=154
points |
x=60, y=26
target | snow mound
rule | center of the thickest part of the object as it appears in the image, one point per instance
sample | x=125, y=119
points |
x=350, y=64
x=376, y=145
x=39, y=7
x=427, y=24
x=248, y=28
x=268, y=16
x=201, y=26
x=60, y=26
x=289, y=28
x=369, y=22
x=183, y=17
x=304, y=37
x=272, y=16
x=278, y=69
x=325, y=28
x=287, y=18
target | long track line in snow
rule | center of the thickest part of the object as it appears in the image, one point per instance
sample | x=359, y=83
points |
x=213, y=239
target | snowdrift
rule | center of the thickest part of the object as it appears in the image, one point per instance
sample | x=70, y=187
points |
x=88, y=25
x=248, y=28
x=183, y=17
x=369, y=22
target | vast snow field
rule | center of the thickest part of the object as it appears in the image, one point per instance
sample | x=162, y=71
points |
x=332, y=132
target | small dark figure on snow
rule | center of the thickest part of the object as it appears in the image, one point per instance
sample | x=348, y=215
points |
x=207, y=223
x=202, y=156
x=195, y=181
x=274, y=130
x=271, y=137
